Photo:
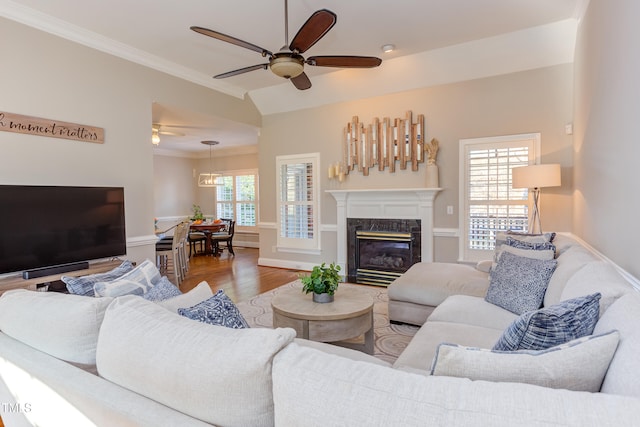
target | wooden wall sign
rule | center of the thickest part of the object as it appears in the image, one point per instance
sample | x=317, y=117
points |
x=17, y=123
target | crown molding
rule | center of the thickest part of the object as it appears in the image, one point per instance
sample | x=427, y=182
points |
x=66, y=30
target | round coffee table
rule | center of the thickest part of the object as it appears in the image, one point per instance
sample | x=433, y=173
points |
x=348, y=317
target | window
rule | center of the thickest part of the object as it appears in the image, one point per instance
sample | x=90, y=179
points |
x=488, y=203
x=298, y=202
x=237, y=198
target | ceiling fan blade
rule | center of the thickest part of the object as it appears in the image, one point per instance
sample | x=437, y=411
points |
x=241, y=71
x=232, y=40
x=301, y=81
x=344, y=61
x=313, y=30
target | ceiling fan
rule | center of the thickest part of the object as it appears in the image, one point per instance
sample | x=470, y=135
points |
x=289, y=62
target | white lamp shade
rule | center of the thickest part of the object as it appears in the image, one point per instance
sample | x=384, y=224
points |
x=536, y=176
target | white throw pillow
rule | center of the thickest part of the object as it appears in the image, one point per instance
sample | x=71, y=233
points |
x=138, y=281
x=216, y=374
x=578, y=365
x=196, y=295
x=64, y=326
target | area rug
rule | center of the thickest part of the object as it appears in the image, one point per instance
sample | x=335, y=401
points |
x=390, y=339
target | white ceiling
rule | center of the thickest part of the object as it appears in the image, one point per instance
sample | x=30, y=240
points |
x=156, y=33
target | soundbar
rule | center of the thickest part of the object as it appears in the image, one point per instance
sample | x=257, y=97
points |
x=56, y=269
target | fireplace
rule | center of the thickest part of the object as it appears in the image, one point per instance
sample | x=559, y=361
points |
x=380, y=250
x=395, y=204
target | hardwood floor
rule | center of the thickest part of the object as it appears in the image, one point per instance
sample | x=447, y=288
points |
x=239, y=276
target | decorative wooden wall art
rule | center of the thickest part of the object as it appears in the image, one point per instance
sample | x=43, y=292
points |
x=383, y=144
x=17, y=123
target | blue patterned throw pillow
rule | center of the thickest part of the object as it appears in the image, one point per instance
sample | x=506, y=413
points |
x=535, y=246
x=217, y=310
x=163, y=290
x=83, y=285
x=551, y=326
x=518, y=283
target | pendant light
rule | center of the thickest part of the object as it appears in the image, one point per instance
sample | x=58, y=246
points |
x=209, y=179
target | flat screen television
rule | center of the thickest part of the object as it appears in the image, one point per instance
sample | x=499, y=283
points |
x=48, y=226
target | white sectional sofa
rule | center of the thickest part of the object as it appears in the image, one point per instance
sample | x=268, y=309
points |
x=130, y=362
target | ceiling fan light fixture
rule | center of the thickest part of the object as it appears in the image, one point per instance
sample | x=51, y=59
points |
x=155, y=138
x=287, y=65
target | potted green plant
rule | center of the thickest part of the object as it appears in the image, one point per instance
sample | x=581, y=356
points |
x=197, y=213
x=323, y=282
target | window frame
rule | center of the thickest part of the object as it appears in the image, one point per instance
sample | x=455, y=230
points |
x=234, y=201
x=293, y=244
x=530, y=140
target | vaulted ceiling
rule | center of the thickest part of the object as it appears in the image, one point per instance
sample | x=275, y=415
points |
x=435, y=40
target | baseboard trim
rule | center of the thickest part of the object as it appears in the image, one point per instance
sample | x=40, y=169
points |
x=288, y=264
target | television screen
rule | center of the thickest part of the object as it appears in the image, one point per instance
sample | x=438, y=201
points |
x=43, y=226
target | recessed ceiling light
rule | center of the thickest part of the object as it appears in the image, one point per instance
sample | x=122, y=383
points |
x=388, y=48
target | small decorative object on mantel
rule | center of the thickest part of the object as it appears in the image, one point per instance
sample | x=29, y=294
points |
x=383, y=143
x=323, y=282
x=432, y=168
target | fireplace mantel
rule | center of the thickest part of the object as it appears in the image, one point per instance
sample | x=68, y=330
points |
x=392, y=203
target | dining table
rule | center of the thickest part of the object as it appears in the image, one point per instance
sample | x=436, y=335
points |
x=208, y=228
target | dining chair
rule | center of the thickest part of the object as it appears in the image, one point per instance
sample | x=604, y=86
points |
x=194, y=238
x=224, y=236
x=172, y=258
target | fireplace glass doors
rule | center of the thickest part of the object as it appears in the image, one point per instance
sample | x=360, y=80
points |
x=380, y=250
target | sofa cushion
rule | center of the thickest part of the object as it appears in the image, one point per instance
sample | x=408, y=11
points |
x=314, y=389
x=551, y=326
x=623, y=376
x=65, y=326
x=470, y=310
x=578, y=365
x=430, y=283
x=217, y=310
x=571, y=260
x=518, y=283
x=419, y=354
x=216, y=374
x=83, y=285
x=137, y=281
x=597, y=276
x=162, y=290
x=37, y=389
x=199, y=293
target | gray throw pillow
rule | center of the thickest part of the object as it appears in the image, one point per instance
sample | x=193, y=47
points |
x=83, y=285
x=552, y=326
x=217, y=310
x=137, y=282
x=518, y=283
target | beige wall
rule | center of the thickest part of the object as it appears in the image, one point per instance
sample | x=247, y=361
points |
x=174, y=186
x=49, y=77
x=531, y=101
x=607, y=130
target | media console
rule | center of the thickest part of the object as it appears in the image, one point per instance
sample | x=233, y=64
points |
x=18, y=282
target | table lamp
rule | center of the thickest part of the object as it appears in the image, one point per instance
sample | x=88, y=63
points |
x=536, y=177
